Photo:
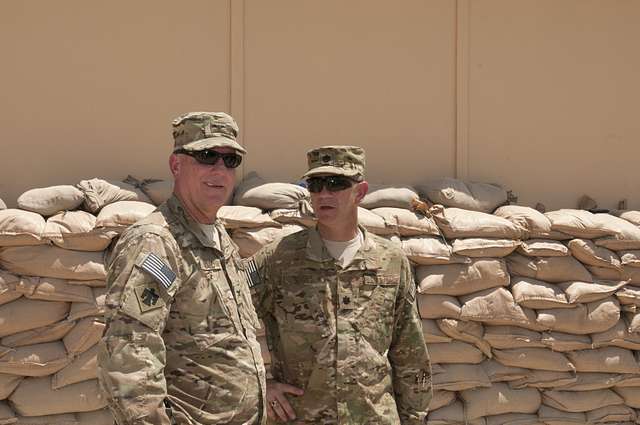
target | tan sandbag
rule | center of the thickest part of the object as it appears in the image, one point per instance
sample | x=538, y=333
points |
x=630, y=258
x=456, y=223
x=23, y=315
x=254, y=192
x=608, y=359
x=432, y=333
x=8, y=285
x=441, y=398
x=3, y=206
x=629, y=215
x=583, y=292
x=438, y=306
x=471, y=332
x=20, y=228
x=532, y=222
x=497, y=372
x=35, y=360
x=469, y=195
x=250, y=241
x=588, y=381
x=452, y=414
x=373, y=222
x=96, y=307
x=62, y=419
x=631, y=395
x=587, y=252
x=51, y=289
x=496, y=306
x=534, y=358
x=76, y=230
x=51, y=261
x=514, y=419
x=580, y=401
x=617, y=336
x=290, y=216
x=7, y=416
x=631, y=274
x=594, y=317
x=235, y=216
x=380, y=196
x=8, y=383
x=458, y=377
x=633, y=320
x=49, y=333
x=429, y=250
x=542, y=248
x=483, y=247
x=84, y=335
x=629, y=295
x=548, y=269
x=504, y=337
x=609, y=414
x=99, y=193
x=626, y=236
x=578, y=223
x=459, y=279
x=96, y=417
x=158, y=191
x=97, y=283
x=455, y=352
x=407, y=223
x=532, y=293
x=551, y=416
x=563, y=342
x=49, y=200
x=122, y=214
x=499, y=399
x=628, y=381
x=36, y=397
x=544, y=379
x=82, y=368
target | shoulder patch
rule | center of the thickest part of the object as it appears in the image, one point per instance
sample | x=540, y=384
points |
x=148, y=299
x=153, y=265
x=251, y=270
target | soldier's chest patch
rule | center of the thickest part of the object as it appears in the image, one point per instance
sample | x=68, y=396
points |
x=148, y=298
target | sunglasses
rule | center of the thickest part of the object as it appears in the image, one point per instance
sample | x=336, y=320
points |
x=332, y=183
x=211, y=157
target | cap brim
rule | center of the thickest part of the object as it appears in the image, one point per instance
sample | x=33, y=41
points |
x=331, y=170
x=213, y=142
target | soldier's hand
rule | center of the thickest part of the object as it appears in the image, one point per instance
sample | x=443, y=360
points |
x=278, y=407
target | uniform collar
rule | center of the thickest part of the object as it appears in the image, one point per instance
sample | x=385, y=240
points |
x=364, y=257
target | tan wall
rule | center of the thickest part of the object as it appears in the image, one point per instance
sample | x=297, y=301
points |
x=537, y=95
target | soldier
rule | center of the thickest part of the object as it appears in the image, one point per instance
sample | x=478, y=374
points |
x=340, y=311
x=180, y=345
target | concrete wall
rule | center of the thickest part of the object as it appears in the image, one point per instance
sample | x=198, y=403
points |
x=538, y=95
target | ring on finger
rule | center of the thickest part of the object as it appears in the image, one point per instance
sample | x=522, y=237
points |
x=274, y=403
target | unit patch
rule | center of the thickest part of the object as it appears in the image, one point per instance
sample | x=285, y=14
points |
x=148, y=298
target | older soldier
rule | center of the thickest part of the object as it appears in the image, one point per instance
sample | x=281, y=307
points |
x=180, y=345
x=340, y=310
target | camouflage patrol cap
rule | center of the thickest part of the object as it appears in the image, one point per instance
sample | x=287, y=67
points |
x=196, y=131
x=341, y=160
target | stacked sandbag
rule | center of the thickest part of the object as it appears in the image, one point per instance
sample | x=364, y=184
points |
x=536, y=321
x=52, y=294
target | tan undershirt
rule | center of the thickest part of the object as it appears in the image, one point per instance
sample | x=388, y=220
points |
x=344, y=251
x=211, y=232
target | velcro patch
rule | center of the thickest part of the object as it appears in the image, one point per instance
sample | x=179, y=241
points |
x=153, y=265
x=253, y=277
x=148, y=298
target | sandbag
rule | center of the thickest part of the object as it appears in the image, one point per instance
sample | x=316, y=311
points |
x=469, y=195
x=542, y=248
x=235, y=216
x=551, y=416
x=625, y=235
x=499, y=399
x=453, y=414
x=532, y=293
x=548, y=269
x=588, y=381
x=609, y=414
x=82, y=368
x=20, y=228
x=250, y=241
x=8, y=285
x=629, y=295
x=617, y=336
x=429, y=250
x=497, y=372
x=458, y=377
x=407, y=223
x=432, y=333
x=122, y=214
x=47, y=201
x=631, y=395
x=544, y=379
x=96, y=307
x=35, y=360
x=51, y=289
x=291, y=216
x=460, y=279
x=48, y=333
x=496, y=306
x=36, y=397
x=455, y=352
x=8, y=383
x=583, y=292
x=531, y=222
x=380, y=196
x=630, y=274
x=513, y=419
x=3, y=205
x=76, y=230
x=630, y=258
x=506, y=337
x=584, y=319
x=7, y=416
x=534, y=358
x=458, y=223
x=587, y=252
x=158, y=191
x=24, y=314
x=51, y=261
x=563, y=342
x=441, y=398
x=96, y=417
x=578, y=223
x=84, y=335
x=99, y=193
x=580, y=401
x=482, y=247
x=471, y=332
x=631, y=216
x=254, y=192
x=373, y=222
x=607, y=359
x=438, y=306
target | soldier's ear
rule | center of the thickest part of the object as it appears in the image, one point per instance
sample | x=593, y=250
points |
x=174, y=164
x=361, y=190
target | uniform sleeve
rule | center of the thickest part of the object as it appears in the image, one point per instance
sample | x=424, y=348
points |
x=132, y=354
x=262, y=296
x=408, y=355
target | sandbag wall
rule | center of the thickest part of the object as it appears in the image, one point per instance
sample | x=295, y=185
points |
x=52, y=288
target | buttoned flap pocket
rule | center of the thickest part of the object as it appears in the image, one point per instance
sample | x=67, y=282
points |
x=378, y=288
x=303, y=300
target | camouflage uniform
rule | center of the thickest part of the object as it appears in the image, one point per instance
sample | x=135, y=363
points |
x=187, y=340
x=350, y=337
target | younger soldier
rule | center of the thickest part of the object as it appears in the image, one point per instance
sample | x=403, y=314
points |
x=340, y=311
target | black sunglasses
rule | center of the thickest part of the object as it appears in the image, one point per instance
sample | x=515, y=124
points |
x=211, y=157
x=332, y=183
